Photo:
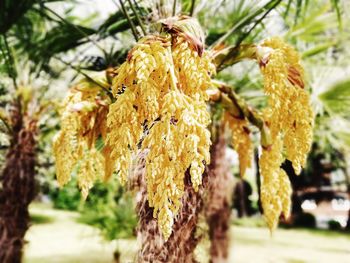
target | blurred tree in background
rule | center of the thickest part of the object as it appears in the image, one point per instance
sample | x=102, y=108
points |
x=112, y=210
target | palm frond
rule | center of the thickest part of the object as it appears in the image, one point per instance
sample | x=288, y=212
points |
x=320, y=48
x=315, y=23
x=12, y=11
x=59, y=39
x=244, y=17
x=336, y=6
x=336, y=99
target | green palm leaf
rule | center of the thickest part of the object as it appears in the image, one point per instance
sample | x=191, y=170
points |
x=336, y=99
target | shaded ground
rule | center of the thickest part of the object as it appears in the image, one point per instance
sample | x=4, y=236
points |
x=58, y=238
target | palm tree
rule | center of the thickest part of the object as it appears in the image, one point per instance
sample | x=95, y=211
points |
x=18, y=184
x=247, y=19
x=307, y=32
x=238, y=22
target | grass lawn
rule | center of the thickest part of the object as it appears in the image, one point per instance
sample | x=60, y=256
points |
x=56, y=237
x=59, y=238
x=294, y=246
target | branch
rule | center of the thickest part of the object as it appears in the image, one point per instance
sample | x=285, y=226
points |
x=141, y=10
x=193, y=3
x=245, y=21
x=76, y=28
x=79, y=71
x=243, y=36
x=133, y=28
x=174, y=8
x=238, y=108
x=137, y=18
x=233, y=54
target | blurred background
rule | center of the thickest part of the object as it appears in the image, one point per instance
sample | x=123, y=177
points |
x=47, y=45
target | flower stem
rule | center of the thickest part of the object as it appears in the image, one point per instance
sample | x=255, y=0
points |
x=132, y=25
x=137, y=18
x=239, y=108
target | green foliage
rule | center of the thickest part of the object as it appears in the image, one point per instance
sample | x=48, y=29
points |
x=238, y=21
x=108, y=207
x=40, y=219
x=59, y=39
x=67, y=198
x=250, y=222
x=333, y=123
x=334, y=225
x=336, y=99
x=111, y=209
x=12, y=11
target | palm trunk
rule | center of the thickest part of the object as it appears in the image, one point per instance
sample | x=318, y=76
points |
x=218, y=202
x=240, y=199
x=17, y=187
x=258, y=179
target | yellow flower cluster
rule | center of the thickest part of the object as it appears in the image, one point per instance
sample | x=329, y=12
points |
x=192, y=79
x=275, y=187
x=178, y=141
x=298, y=136
x=290, y=119
x=82, y=122
x=241, y=141
x=124, y=132
x=161, y=102
x=138, y=85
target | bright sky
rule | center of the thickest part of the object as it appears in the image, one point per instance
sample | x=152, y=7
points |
x=84, y=8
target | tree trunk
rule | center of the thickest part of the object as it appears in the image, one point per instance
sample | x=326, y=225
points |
x=17, y=187
x=183, y=240
x=217, y=205
x=258, y=179
x=347, y=178
x=240, y=196
x=297, y=183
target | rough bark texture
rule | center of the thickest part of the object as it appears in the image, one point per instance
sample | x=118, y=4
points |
x=17, y=188
x=218, y=202
x=183, y=241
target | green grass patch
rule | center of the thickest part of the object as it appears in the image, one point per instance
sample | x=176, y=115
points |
x=249, y=222
x=37, y=219
x=292, y=260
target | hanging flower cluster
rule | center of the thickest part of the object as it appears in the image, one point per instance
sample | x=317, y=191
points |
x=241, y=141
x=161, y=104
x=83, y=121
x=290, y=119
